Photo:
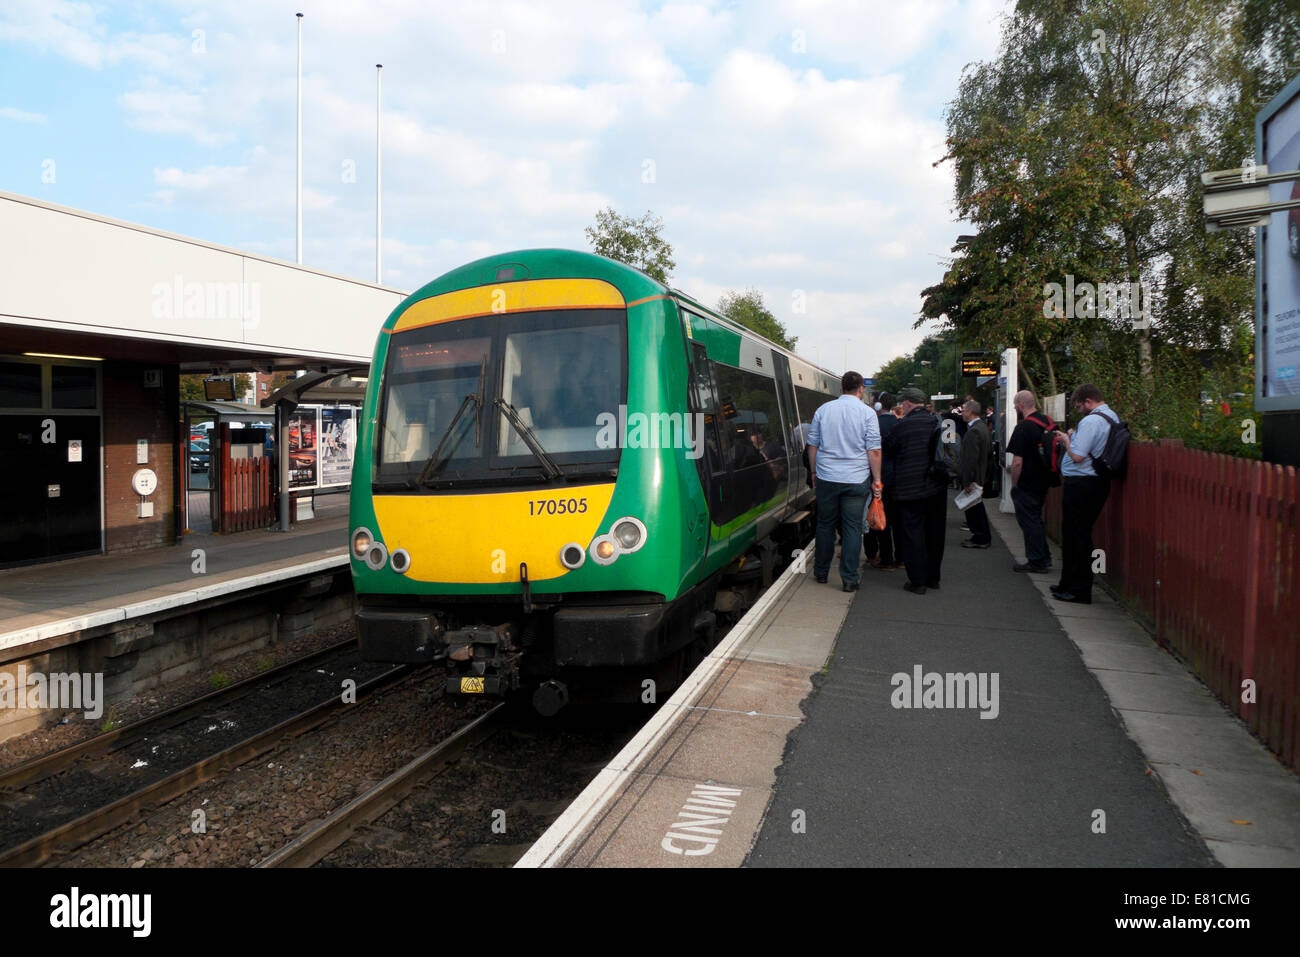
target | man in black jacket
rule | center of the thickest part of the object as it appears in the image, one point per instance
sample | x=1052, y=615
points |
x=921, y=498
x=973, y=464
x=887, y=544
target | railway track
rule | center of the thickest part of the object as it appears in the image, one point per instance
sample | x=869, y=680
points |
x=75, y=830
x=48, y=765
x=318, y=841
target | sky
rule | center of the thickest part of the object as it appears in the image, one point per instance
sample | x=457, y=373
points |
x=790, y=146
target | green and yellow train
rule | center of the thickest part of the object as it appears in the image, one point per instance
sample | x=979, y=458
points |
x=565, y=469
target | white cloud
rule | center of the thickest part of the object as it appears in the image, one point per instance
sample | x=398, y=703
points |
x=773, y=169
x=20, y=116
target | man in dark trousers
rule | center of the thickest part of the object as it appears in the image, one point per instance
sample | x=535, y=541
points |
x=972, y=466
x=886, y=544
x=1030, y=481
x=1083, y=493
x=921, y=497
x=844, y=453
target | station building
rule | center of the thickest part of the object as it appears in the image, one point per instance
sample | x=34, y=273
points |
x=99, y=319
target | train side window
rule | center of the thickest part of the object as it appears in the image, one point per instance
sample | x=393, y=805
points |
x=751, y=417
x=704, y=396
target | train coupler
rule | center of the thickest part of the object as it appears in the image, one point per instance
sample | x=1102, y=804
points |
x=483, y=660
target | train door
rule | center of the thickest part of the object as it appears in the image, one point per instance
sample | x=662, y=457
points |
x=712, y=464
x=791, y=435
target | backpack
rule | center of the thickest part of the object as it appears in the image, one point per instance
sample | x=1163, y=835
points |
x=1049, y=449
x=1114, y=454
x=943, y=456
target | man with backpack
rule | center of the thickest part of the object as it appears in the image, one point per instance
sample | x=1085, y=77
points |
x=920, y=489
x=1035, y=467
x=1094, y=454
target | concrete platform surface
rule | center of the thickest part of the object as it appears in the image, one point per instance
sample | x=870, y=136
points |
x=691, y=788
x=39, y=602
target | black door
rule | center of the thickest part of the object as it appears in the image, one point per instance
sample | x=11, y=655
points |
x=49, y=487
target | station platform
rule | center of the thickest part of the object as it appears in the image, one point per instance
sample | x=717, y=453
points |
x=789, y=746
x=46, y=605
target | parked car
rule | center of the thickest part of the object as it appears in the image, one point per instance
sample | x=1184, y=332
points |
x=200, y=455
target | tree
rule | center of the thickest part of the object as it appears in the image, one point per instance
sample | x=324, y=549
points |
x=748, y=309
x=1077, y=153
x=635, y=242
x=895, y=375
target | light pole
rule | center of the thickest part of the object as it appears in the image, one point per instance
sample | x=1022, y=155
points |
x=299, y=204
x=379, y=173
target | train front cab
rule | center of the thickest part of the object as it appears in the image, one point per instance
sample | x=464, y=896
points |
x=505, y=532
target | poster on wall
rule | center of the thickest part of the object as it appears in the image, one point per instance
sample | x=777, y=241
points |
x=304, y=430
x=338, y=434
x=1279, y=353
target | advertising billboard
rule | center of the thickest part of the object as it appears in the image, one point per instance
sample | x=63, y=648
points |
x=338, y=436
x=304, y=428
x=1277, y=259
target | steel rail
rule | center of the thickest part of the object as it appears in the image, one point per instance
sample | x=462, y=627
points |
x=73, y=834
x=47, y=765
x=318, y=841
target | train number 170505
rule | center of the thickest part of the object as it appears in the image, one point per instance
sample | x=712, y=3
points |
x=557, y=506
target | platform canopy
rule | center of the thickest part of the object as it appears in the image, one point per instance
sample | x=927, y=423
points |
x=76, y=284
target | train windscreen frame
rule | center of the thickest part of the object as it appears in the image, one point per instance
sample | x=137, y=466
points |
x=558, y=370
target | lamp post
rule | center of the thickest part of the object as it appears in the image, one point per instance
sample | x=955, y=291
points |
x=299, y=204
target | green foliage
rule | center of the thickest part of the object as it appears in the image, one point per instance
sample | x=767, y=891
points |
x=111, y=722
x=894, y=375
x=265, y=664
x=748, y=309
x=218, y=680
x=1077, y=152
x=636, y=242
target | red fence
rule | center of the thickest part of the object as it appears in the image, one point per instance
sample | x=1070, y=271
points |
x=245, y=494
x=1208, y=547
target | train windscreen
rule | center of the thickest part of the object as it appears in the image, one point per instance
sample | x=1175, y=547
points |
x=498, y=399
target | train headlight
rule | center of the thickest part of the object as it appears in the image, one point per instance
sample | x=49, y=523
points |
x=604, y=550
x=572, y=555
x=400, y=560
x=630, y=533
x=377, y=556
x=361, y=541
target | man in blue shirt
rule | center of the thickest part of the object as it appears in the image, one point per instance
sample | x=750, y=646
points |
x=843, y=455
x=1083, y=493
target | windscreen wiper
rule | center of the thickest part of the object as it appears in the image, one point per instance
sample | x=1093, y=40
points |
x=437, y=459
x=530, y=439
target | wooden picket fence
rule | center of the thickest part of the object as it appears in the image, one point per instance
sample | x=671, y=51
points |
x=246, y=501
x=1207, y=547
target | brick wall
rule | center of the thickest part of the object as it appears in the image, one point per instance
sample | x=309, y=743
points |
x=132, y=412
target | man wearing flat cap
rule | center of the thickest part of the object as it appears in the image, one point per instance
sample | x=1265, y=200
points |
x=922, y=498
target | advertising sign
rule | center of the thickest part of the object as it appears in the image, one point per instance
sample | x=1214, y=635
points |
x=1277, y=308
x=304, y=430
x=338, y=436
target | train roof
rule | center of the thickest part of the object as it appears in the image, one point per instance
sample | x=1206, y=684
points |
x=570, y=263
